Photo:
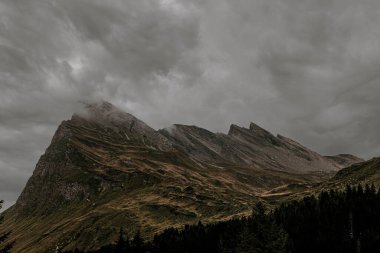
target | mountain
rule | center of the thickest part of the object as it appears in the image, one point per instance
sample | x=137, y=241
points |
x=345, y=160
x=106, y=169
x=363, y=173
x=252, y=147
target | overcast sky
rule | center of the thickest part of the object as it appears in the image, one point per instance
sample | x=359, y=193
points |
x=308, y=69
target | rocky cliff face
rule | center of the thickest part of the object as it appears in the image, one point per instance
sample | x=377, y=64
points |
x=253, y=146
x=78, y=159
x=105, y=169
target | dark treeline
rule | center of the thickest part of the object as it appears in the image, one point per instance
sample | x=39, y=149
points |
x=335, y=221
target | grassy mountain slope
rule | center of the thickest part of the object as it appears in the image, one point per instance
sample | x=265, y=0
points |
x=105, y=169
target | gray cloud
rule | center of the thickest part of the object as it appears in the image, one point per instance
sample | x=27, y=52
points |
x=306, y=69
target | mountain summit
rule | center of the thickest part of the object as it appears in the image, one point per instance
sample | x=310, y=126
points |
x=106, y=169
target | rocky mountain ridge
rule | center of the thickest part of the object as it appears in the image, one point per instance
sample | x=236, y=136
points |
x=105, y=169
x=252, y=147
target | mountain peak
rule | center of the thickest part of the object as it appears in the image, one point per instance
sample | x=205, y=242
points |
x=233, y=129
x=257, y=129
x=105, y=115
x=102, y=111
x=253, y=130
x=118, y=125
x=102, y=105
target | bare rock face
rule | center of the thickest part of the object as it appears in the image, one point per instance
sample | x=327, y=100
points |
x=123, y=125
x=198, y=143
x=253, y=146
x=44, y=190
x=105, y=169
x=79, y=146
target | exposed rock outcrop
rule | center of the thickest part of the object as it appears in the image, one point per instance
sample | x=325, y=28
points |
x=105, y=169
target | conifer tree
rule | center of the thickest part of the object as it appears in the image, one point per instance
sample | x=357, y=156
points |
x=122, y=244
x=137, y=243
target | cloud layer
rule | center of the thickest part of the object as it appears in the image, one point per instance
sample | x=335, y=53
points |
x=306, y=69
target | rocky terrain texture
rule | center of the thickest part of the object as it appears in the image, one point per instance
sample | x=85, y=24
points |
x=106, y=169
x=252, y=147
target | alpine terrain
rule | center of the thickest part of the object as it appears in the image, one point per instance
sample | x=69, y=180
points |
x=106, y=169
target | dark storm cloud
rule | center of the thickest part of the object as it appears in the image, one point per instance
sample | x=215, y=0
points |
x=55, y=53
x=307, y=69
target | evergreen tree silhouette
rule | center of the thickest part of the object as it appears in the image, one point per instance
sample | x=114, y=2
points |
x=137, y=243
x=331, y=222
x=122, y=244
